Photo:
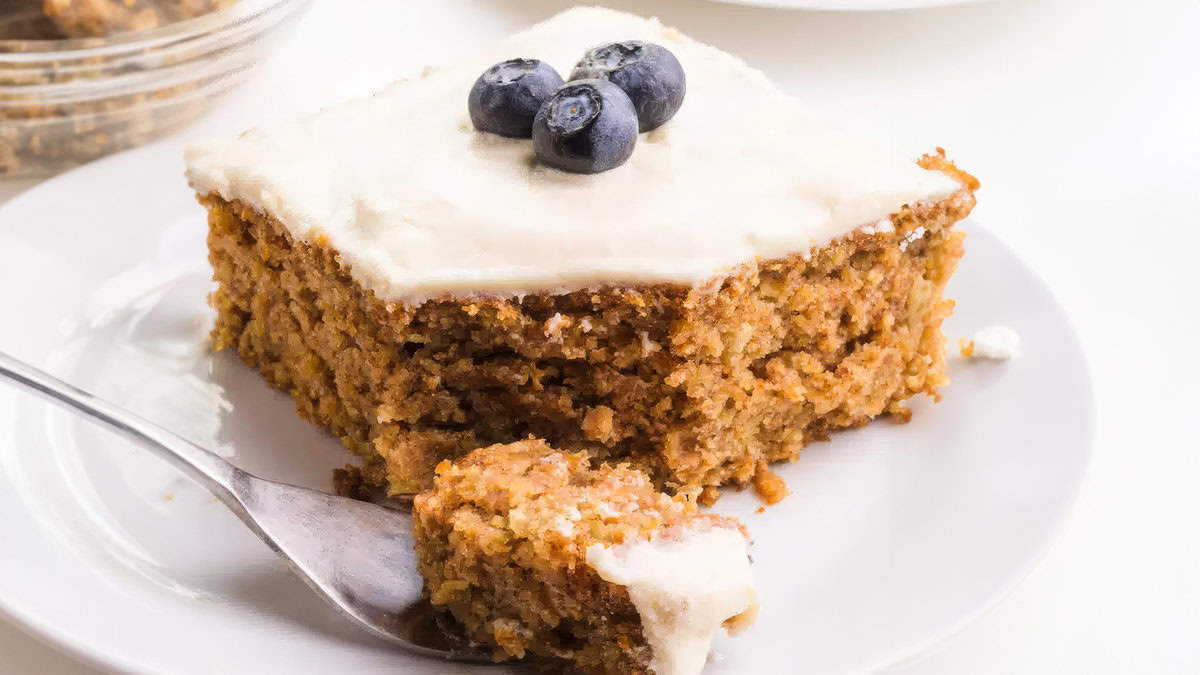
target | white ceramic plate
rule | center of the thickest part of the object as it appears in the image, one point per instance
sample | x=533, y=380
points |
x=847, y=5
x=894, y=535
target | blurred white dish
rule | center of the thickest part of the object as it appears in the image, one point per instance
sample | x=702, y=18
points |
x=847, y=5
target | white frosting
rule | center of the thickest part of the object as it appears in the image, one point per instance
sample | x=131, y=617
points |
x=683, y=589
x=421, y=205
x=996, y=342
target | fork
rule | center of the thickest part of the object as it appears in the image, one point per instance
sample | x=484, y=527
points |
x=357, y=555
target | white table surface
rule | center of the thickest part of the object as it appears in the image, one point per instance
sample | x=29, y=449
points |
x=1082, y=118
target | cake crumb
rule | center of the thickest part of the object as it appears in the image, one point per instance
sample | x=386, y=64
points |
x=769, y=485
x=348, y=482
x=966, y=347
x=900, y=413
x=911, y=237
x=999, y=343
x=648, y=346
x=555, y=324
x=598, y=424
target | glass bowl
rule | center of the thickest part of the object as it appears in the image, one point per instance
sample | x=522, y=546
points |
x=66, y=102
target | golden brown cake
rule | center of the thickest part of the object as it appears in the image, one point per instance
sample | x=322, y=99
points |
x=538, y=554
x=422, y=289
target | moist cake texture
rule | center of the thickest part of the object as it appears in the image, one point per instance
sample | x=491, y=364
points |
x=538, y=554
x=418, y=315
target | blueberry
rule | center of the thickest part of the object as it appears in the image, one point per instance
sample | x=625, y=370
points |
x=648, y=73
x=587, y=126
x=507, y=96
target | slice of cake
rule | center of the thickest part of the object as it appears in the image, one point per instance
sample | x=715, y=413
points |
x=747, y=281
x=537, y=553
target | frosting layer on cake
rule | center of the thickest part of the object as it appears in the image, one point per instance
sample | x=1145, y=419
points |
x=420, y=205
x=684, y=587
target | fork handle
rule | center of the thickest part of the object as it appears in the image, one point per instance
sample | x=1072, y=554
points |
x=208, y=469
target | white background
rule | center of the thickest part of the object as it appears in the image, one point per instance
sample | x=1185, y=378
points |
x=1082, y=118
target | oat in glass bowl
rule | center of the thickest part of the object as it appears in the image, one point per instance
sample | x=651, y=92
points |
x=80, y=79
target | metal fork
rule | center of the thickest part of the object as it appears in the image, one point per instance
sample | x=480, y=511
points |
x=357, y=555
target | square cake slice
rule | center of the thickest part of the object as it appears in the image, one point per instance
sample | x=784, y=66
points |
x=747, y=282
x=538, y=553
